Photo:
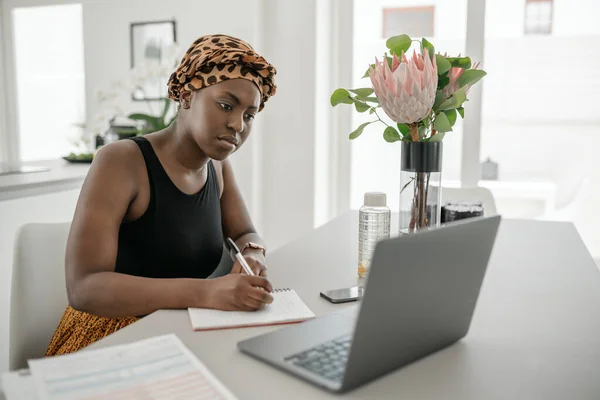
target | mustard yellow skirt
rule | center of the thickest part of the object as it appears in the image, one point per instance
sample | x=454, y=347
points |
x=78, y=329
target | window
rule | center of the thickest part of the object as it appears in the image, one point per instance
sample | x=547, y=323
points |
x=49, y=79
x=413, y=21
x=538, y=17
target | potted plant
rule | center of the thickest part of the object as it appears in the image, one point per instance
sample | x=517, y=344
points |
x=153, y=123
x=423, y=95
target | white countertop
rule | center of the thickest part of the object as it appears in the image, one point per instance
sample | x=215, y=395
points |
x=61, y=176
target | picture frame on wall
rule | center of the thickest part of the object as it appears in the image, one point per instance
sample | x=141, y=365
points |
x=414, y=21
x=150, y=44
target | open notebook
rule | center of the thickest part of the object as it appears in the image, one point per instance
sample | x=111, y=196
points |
x=287, y=307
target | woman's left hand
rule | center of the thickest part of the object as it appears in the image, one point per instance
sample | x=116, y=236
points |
x=255, y=259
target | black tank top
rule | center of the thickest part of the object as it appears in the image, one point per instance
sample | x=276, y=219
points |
x=179, y=235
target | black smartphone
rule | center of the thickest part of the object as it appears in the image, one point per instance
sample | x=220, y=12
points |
x=343, y=295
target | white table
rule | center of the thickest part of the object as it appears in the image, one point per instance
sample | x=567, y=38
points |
x=535, y=333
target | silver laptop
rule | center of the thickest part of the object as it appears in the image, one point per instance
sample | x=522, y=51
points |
x=419, y=299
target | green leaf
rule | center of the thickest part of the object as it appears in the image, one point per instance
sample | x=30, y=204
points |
x=443, y=81
x=404, y=129
x=461, y=111
x=437, y=137
x=340, y=96
x=390, y=60
x=372, y=110
x=140, y=117
x=461, y=96
x=439, y=98
x=362, y=92
x=443, y=65
x=391, y=135
x=470, y=77
x=425, y=44
x=398, y=44
x=127, y=131
x=372, y=100
x=360, y=106
x=366, y=75
x=155, y=123
x=455, y=100
x=441, y=123
x=426, y=121
x=451, y=114
x=356, y=133
x=460, y=62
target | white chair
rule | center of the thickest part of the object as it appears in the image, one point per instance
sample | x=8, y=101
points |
x=572, y=203
x=471, y=194
x=38, y=292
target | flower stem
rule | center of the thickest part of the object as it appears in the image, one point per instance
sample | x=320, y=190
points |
x=380, y=118
x=414, y=132
x=422, y=209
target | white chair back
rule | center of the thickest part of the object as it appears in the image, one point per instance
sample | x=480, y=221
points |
x=38, y=292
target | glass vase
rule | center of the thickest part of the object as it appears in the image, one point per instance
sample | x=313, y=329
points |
x=420, y=186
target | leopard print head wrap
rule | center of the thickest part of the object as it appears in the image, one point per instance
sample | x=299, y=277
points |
x=215, y=58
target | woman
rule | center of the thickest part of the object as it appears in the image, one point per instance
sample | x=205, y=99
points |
x=153, y=212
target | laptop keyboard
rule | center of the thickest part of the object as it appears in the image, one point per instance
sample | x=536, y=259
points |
x=327, y=359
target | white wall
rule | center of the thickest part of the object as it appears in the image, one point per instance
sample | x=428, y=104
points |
x=532, y=110
x=289, y=121
x=504, y=18
x=576, y=17
x=53, y=207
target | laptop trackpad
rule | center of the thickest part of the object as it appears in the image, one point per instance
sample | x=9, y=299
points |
x=277, y=345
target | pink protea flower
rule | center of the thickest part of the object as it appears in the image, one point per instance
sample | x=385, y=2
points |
x=406, y=91
x=452, y=86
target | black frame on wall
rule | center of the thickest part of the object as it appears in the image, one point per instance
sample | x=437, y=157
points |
x=140, y=25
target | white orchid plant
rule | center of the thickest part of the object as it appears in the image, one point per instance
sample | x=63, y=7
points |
x=422, y=94
x=113, y=97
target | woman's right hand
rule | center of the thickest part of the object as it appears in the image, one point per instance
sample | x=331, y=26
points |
x=239, y=292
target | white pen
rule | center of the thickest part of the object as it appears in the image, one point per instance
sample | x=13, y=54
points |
x=240, y=257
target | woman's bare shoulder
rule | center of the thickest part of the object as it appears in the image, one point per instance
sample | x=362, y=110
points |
x=122, y=155
x=117, y=162
x=120, y=152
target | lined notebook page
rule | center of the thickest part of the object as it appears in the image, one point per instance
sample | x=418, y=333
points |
x=287, y=307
